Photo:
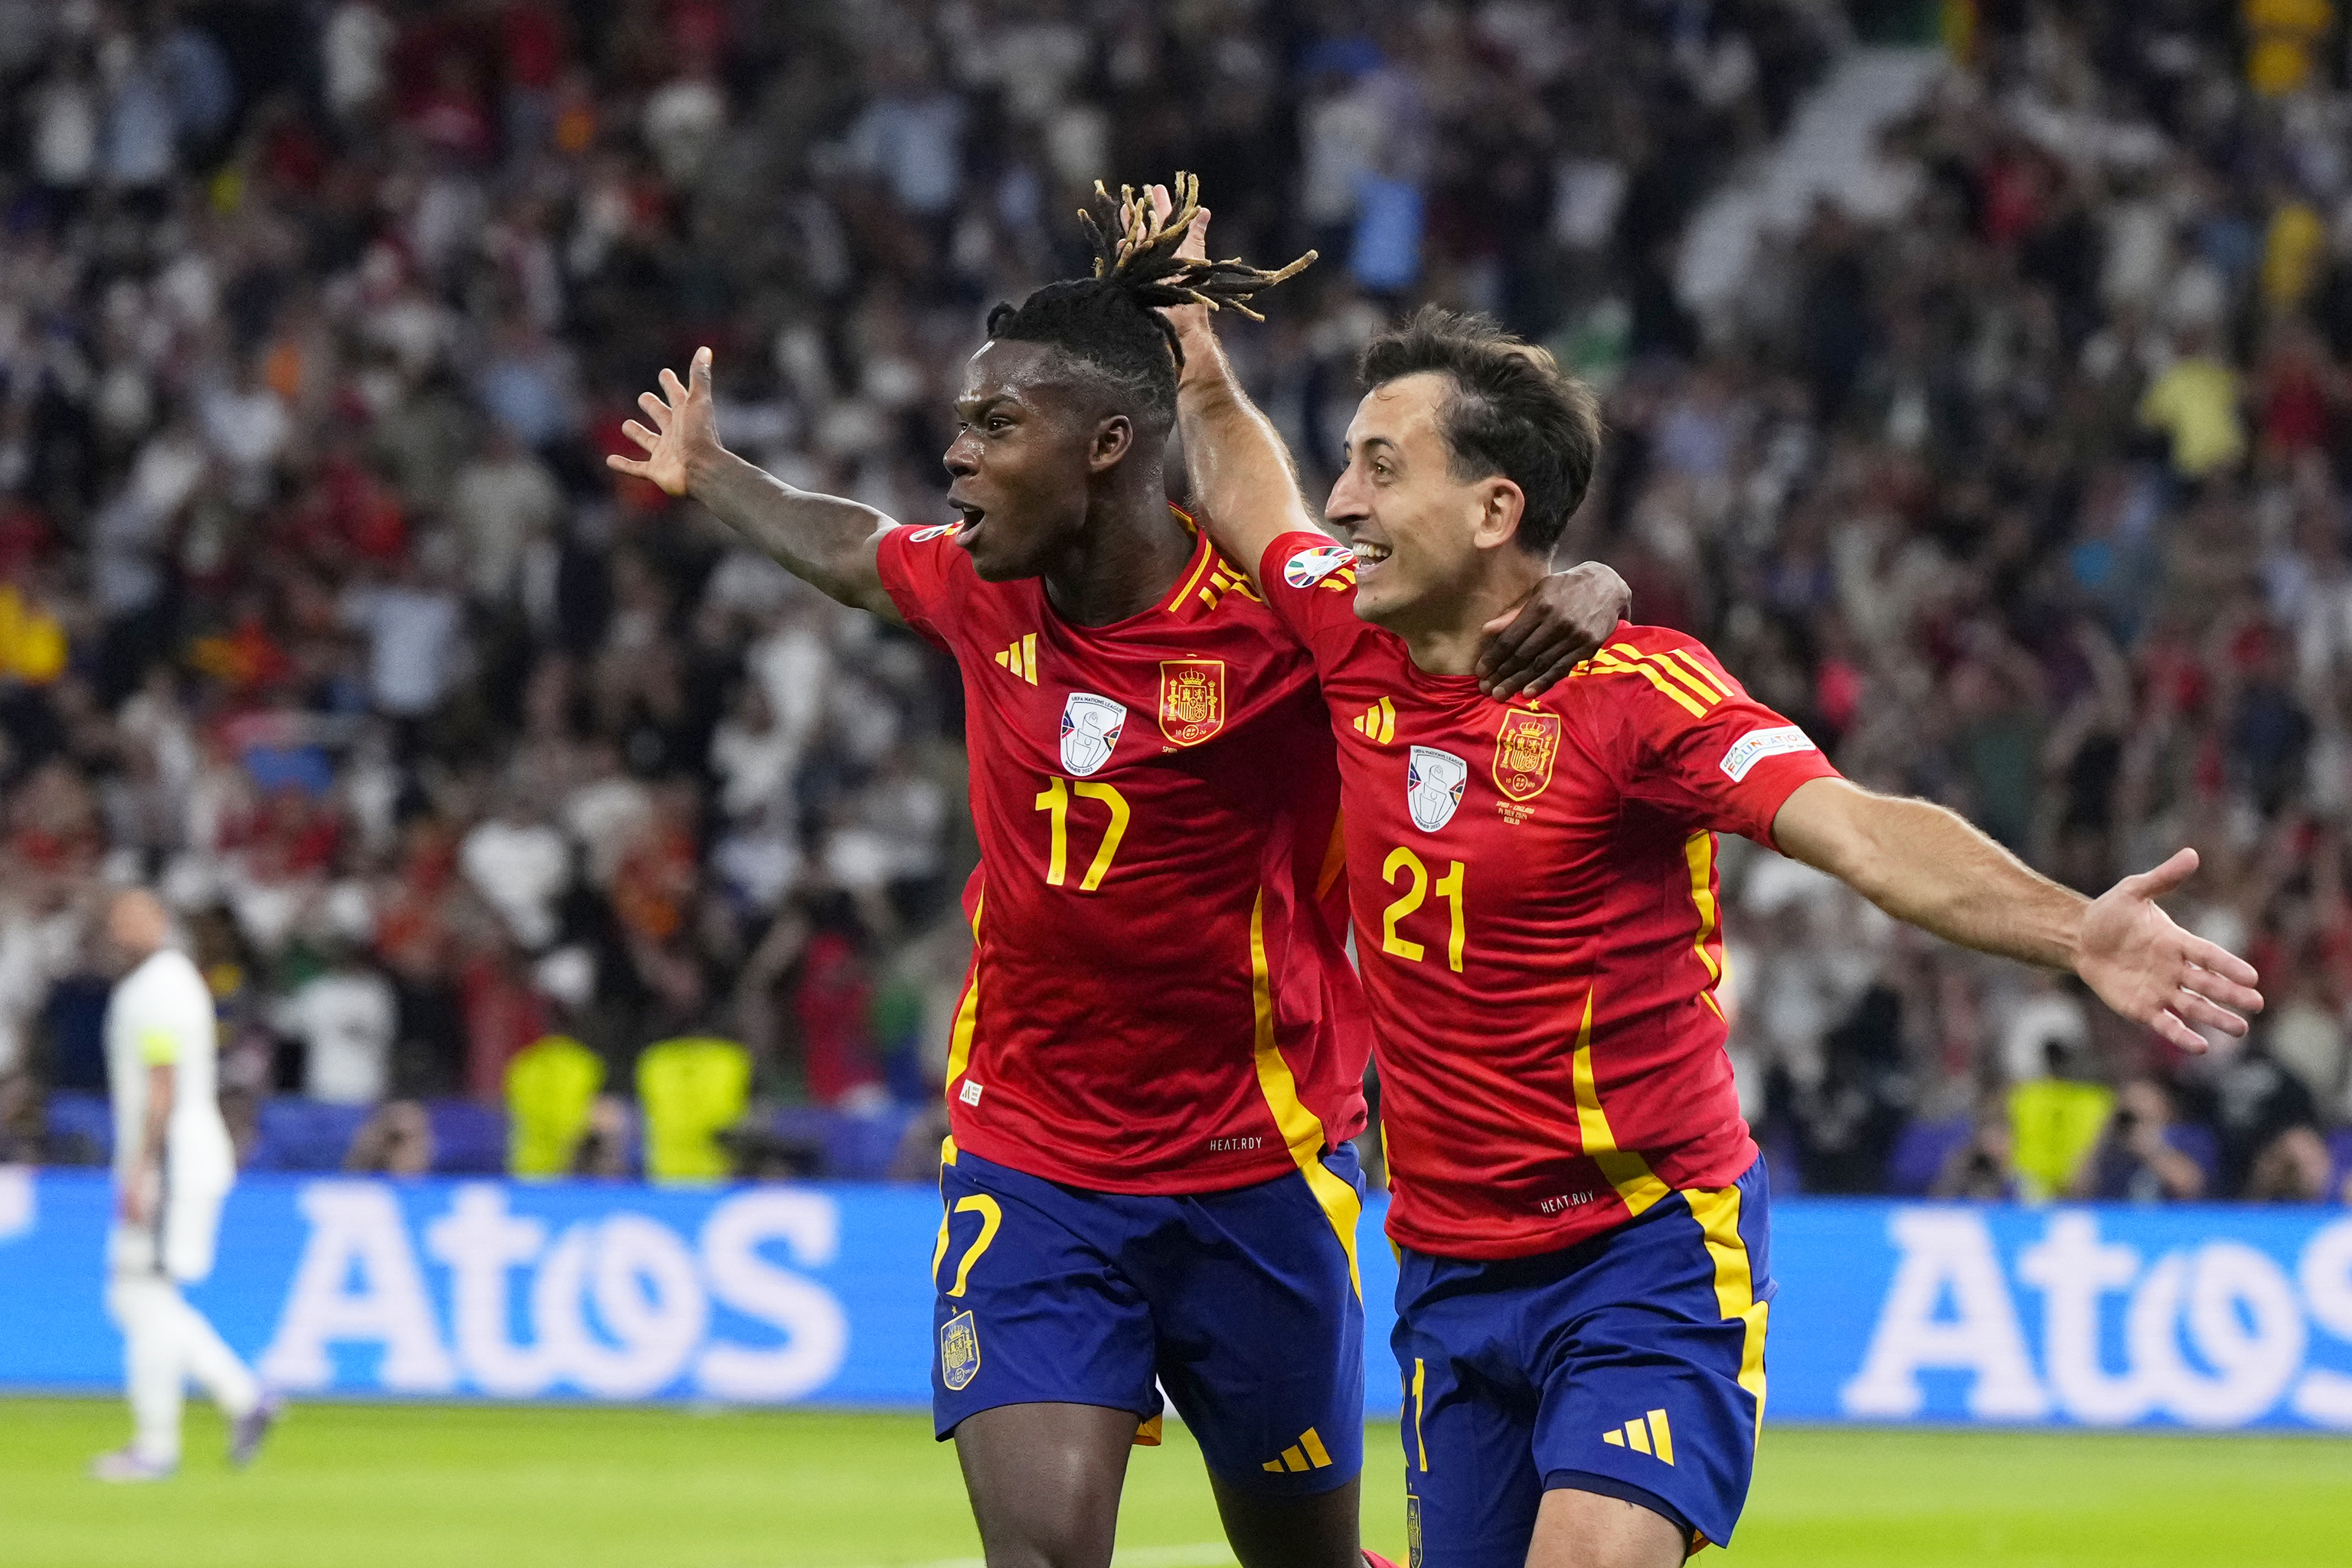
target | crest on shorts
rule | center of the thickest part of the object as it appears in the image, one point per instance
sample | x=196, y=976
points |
x=1524, y=750
x=1433, y=783
x=1192, y=699
x=1090, y=729
x=959, y=1352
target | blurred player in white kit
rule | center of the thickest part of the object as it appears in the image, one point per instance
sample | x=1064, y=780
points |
x=173, y=1165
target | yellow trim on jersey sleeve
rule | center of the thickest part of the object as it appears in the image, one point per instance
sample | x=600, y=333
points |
x=1711, y=682
x=1301, y=1129
x=1626, y=1171
x=1718, y=1213
x=157, y=1048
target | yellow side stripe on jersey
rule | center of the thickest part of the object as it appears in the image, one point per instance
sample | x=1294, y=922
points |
x=1718, y=1212
x=1626, y=1171
x=1335, y=857
x=1301, y=1129
x=967, y=1018
x=1607, y=663
x=967, y=1023
x=1698, y=854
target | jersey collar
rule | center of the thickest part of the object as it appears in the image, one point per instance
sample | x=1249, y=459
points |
x=1194, y=593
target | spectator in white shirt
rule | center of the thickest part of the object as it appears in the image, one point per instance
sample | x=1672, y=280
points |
x=346, y=1019
x=522, y=865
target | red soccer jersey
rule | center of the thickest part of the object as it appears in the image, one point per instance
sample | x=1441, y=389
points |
x=1534, y=893
x=1159, y=998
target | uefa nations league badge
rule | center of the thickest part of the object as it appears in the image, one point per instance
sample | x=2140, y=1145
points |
x=959, y=1352
x=1433, y=782
x=1090, y=729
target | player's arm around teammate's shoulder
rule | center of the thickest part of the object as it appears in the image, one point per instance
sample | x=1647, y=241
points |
x=829, y=543
x=1925, y=864
x=1247, y=488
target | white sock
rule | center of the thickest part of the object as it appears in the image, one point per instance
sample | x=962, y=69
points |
x=147, y=1308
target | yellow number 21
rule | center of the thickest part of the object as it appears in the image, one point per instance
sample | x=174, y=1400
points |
x=1404, y=861
x=1054, y=800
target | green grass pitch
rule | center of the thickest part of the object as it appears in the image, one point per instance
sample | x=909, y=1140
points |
x=391, y=1486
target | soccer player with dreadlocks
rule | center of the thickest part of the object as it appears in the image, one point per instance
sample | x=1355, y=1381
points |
x=1156, y=1062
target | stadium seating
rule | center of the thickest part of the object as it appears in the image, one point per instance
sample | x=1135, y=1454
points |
x=1920, y=1153
x=80, y=1124
x=468, y=1139
x=305, y=1134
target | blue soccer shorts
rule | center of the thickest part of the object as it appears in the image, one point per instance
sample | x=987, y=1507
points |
x=1630, y=1364
x=1244, y=1305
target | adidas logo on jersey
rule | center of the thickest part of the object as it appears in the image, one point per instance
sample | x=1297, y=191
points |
x=1306, y=1453
x=1021, y=659
x=1378, y=722
x=1645, y=1435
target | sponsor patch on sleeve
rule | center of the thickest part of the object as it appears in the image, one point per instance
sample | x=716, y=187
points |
x=1758, y=744
x=941, y=530
x=1309, y=567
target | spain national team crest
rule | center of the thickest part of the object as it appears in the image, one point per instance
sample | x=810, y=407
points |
x=959, y=1352
x=1192, y=699
x=1524, y=750
x=1433, y=783
x=1090, y=729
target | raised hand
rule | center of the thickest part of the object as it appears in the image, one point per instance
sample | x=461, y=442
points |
x=685, y=429
x=2152, y=972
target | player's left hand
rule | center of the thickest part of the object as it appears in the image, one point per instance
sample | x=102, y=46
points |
x=2155, y=973
x=1552, y=630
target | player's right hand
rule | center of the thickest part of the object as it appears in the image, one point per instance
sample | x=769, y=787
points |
x=685, y=428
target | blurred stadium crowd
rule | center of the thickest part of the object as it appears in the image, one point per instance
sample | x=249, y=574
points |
x=487, y=784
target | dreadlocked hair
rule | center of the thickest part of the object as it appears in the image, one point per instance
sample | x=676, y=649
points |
x=1112, y=320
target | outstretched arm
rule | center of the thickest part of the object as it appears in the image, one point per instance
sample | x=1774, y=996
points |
x=825, y=541
x=1923, y=864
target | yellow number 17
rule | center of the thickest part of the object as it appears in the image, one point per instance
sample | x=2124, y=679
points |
x=1054, y=800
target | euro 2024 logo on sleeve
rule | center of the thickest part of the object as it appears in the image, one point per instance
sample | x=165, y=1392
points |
x=1091, y=727
x=1309, y=567
x=1433, y=783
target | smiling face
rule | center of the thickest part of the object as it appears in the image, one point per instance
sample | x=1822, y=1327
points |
x=1029, y=441
x=1422, y=537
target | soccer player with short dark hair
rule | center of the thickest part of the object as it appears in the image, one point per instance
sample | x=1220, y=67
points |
x=1157, y=1063
x=1579, y=1208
